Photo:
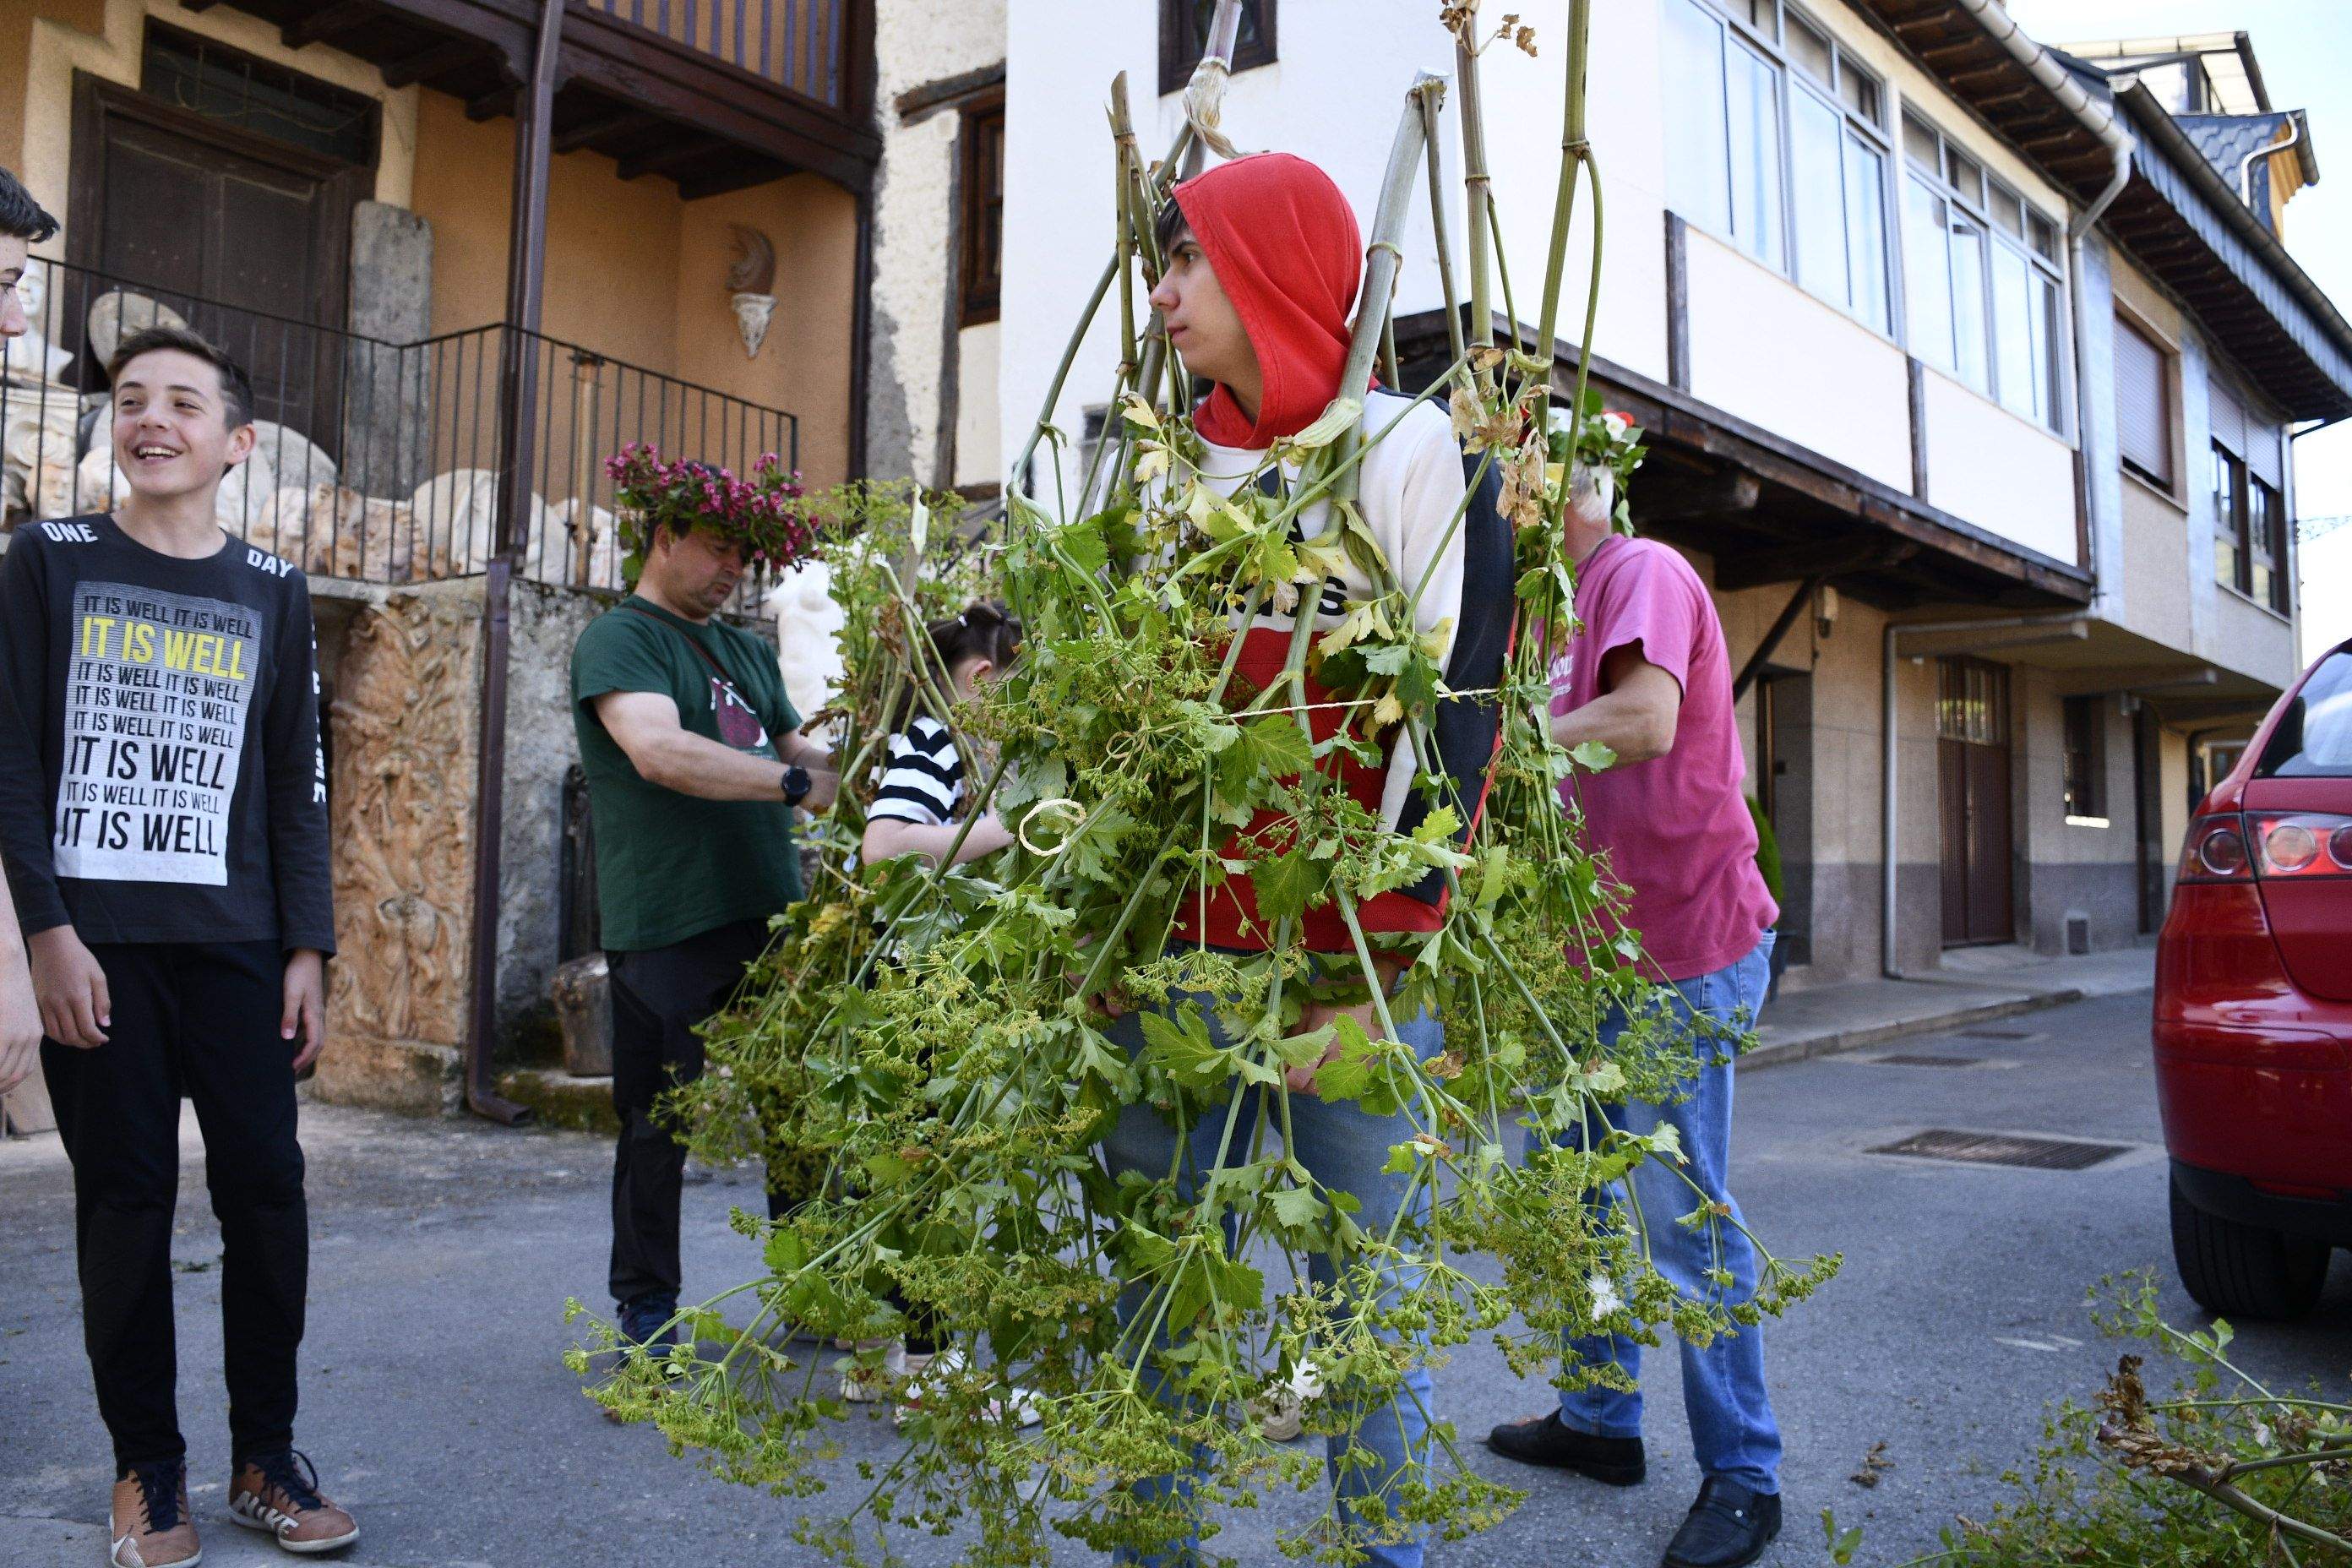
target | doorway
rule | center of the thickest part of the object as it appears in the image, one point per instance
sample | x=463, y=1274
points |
x=1972, y=765
x=245, y=235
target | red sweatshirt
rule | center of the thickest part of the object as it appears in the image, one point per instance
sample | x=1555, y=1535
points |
x=1286, y=249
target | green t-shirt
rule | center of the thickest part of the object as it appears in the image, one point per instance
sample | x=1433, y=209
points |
x=669, y=866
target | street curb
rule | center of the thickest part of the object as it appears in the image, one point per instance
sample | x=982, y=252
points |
x=1785, y=1051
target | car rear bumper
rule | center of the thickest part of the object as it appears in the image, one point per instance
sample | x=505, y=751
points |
x=2269, y=1105
x=2237, y=1199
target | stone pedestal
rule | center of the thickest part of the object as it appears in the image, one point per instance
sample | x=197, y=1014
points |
x=408, y=689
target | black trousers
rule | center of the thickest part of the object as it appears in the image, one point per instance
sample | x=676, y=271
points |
x=660, y=996
x=198, y=1020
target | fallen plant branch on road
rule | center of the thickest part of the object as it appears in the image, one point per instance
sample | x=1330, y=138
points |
x=2218, y=1471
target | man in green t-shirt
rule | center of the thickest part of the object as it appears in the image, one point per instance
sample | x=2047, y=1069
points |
x=695, y=761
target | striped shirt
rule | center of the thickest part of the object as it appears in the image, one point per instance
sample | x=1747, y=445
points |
x=922, y=782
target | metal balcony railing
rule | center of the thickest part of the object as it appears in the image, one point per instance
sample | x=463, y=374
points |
x=375, y=461
x=803, y=45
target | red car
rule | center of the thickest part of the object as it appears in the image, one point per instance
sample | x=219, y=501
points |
x=2253, y=1013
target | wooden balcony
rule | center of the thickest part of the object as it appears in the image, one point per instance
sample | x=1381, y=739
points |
x=715, y=95
x=802, y=45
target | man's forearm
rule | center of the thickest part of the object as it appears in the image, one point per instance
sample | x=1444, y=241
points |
x=798, y=750
x=693, y=764
x=1627, y=728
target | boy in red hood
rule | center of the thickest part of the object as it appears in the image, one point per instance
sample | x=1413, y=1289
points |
x=1263, y=262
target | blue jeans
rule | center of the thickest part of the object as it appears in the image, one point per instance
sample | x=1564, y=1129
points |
x=1733, y=1433
x=1343, y=1148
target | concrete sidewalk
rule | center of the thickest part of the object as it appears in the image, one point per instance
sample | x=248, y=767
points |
x=1975, y=985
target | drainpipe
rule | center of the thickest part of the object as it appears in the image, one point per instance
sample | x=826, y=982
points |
x=2100, y=120
x=2246, y=164
x=517, y=402
x=1889, y=837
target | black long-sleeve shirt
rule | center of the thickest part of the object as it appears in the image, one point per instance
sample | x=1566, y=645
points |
x=161, y=778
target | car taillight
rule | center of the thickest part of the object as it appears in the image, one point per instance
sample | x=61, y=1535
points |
x=2269, y=845
x=2300, y=844
x=2216, y=851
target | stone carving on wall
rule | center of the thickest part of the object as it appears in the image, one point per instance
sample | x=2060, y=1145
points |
x=404, y=717
x=751, y=285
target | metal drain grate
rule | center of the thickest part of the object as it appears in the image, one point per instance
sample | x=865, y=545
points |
x=1926, y=1059
x=1999, y=1034
x=2003, y=1149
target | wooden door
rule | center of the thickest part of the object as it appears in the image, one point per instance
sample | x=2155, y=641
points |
x=247, y=238
x=1973, y=804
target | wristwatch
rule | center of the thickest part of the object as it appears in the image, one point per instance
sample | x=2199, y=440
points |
x=797, y=784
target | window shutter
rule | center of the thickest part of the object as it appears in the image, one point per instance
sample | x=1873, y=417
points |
x=2263, y=453
x=2143, y=404
x=2229, y=419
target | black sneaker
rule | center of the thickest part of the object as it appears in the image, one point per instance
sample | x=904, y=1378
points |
x=1614, y=1461
x=646, y=1320
x=1728, y=1527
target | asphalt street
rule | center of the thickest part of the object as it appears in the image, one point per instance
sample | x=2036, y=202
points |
x=436, y=1407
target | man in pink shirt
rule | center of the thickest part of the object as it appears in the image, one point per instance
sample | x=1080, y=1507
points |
x=1647, y=677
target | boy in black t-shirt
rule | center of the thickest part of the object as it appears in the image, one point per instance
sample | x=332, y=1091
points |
x=163, y=819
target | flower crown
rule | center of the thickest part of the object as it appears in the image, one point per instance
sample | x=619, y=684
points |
x=762, y=513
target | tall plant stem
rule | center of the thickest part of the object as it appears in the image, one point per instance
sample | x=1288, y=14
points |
x=1571, y=158
x=1382, y=253
x=1477, y=203
x=1433, y=104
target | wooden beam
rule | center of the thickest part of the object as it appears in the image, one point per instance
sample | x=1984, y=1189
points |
x=920, y=103
x=740, y=176
x=490, y=105
x=1678, y=302
x=1765, y=649
x=613, y=122
x=427, y=63
x=1832, y=558
x=685, y=151
x=325, y=22
x=1725, y=494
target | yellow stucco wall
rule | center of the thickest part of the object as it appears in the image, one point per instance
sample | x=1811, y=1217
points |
x=632, y=271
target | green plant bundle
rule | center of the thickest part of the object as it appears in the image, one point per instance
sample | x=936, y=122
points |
x=934, y=1045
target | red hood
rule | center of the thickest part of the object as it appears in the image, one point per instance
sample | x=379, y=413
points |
x=1286, y=251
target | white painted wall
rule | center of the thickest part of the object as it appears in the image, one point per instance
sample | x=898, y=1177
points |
x=2008, y=476
x=1761, y=347
x=1778, y=357
x=917, y=42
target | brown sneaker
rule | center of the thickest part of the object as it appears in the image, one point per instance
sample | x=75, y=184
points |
x=279, y=1493
x=150, y=1525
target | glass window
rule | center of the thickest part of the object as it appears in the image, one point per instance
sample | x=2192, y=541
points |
x=1984, y=296
x=2314, y=738
x=1965, y=176
x=1698, y=158
x=1923, y=146
x=1860, y=91
x=2012, y=339
x=1784, y=158
x=1969, y=300
x=1929, y=280
x=1865, y=231
x=1752, y=91
x=2266, y=539
x=2008, y=213
x=1810, y=52
x=1816, y=193
x=2230, y=560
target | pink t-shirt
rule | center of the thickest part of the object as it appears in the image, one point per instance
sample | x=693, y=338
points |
x=1676, y=828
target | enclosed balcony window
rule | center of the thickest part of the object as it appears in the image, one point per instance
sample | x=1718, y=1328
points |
x=1740, y=110
x=1981, y=268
